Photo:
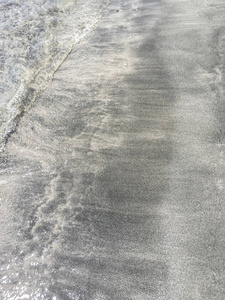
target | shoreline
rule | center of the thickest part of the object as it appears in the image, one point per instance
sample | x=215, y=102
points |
x=30, y=89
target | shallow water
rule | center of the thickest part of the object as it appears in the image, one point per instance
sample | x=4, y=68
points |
x=36, y=36
x=112, y=187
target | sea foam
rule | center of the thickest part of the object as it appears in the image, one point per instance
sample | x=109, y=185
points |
x=36, y=37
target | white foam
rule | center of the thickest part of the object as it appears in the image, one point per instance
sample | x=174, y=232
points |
x=52, y=29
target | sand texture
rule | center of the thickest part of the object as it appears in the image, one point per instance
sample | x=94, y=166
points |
x=112, y=187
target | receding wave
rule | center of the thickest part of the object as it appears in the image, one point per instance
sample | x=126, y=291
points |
x=36, y=37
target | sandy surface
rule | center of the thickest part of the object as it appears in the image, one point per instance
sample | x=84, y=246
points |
x=112, y=187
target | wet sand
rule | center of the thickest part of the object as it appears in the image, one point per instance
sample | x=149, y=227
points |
x=112, y=186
